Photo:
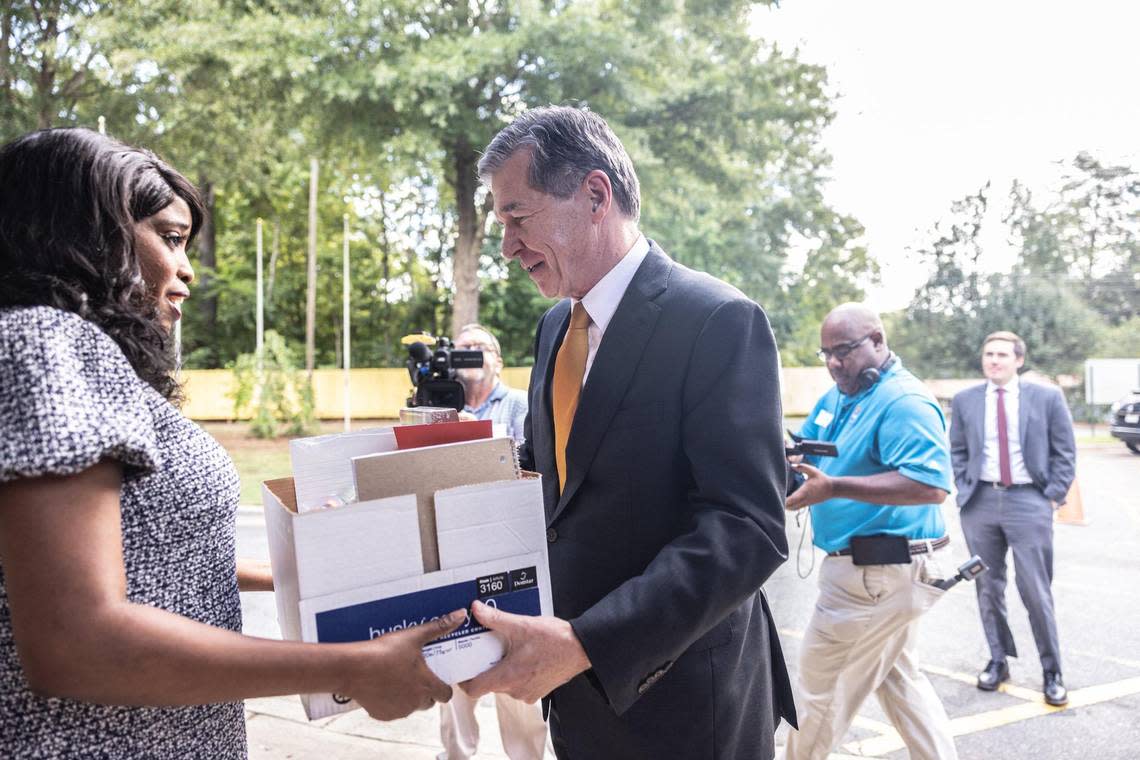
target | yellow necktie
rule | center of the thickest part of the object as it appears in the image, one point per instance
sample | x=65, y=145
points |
x=569, y=368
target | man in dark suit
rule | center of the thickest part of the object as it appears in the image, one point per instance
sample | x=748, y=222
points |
x=655, y=422
x=1014, y=460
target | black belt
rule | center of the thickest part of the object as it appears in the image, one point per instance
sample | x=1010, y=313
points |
x=1000, y=487
x=916, y=547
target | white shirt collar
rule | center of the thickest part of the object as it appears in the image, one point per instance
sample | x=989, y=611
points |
x=1012, y=388
x=603, y=299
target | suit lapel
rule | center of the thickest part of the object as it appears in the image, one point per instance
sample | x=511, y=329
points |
x=1024, y=402
x=979, y=430
x=542, y=419
x=614, y=365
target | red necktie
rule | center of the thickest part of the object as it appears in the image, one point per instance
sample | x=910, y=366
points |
x=1003, y=440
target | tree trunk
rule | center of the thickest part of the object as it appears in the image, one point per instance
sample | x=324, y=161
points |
x=45, y=80
x=208, y=263
x=469, y=237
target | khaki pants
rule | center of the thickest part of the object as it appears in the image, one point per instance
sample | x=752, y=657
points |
x=863, y=638
x=520, y=725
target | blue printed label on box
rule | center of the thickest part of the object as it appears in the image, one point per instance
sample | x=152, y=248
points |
x=368, y=620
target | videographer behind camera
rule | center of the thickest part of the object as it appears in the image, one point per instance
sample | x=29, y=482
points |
x=876, y=514
x=487, y=397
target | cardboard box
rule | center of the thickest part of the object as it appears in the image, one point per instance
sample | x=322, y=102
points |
x=356, y=572
x=427, y=470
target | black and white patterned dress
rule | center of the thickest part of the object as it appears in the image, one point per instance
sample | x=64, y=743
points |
x=68, y=398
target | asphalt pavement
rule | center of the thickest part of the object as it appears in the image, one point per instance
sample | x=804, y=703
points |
x=1096, y=588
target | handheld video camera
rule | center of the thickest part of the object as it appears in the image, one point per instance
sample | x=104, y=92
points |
x=803, y=446
x=433, y=372
x=810, y=448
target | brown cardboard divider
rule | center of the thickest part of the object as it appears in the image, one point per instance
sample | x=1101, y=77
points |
x=426, y=470
x=283, y=489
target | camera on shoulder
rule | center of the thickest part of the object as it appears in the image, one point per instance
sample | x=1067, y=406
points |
x=433, y=372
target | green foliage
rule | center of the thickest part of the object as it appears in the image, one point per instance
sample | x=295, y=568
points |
x=280, y=395
x=1074, y=292
x=1089, y=237
x=1121, y=341
x=396, y=98
x=53, y=70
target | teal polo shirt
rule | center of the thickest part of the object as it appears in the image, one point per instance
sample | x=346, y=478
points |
x=894, y=425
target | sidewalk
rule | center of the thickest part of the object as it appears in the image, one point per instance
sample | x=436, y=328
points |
x=278, y=729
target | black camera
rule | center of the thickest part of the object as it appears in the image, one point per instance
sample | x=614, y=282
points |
x=433, y=372
x=810, y=448
x=805, y=447
x=967, y=572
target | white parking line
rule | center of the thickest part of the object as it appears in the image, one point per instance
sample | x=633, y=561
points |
x=971, y=724
x=1034, y=706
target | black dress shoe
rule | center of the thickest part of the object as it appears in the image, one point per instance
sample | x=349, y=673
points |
x=1055, y=692
x=992, y=677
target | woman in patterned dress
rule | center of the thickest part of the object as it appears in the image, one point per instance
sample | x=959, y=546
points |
x=119, y=612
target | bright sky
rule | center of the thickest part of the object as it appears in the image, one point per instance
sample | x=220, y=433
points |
x=934, y=99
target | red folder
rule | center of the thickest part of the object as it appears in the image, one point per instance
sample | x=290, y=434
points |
x=418, y=436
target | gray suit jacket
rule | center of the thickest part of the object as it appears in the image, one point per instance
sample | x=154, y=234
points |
x=1046, y=438
x=671, y=519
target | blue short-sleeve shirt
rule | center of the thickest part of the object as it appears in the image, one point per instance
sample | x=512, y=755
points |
x=894, y=425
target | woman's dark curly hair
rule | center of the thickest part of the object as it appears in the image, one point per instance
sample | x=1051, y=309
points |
x=69, y=199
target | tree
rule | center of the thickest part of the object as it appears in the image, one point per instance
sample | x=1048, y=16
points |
x=1090, y=236
x=1074, y=290
x=396, y=98
x=938, y=331
x=53, y=71
x=724, y=130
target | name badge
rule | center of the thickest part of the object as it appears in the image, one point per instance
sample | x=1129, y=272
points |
x=823, y=418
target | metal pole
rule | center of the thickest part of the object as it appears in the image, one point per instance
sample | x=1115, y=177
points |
x=260, y=299
x=346, y=329
x=311, y=297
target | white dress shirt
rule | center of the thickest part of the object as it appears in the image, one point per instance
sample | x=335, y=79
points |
x=603, y=299
x=991, y=464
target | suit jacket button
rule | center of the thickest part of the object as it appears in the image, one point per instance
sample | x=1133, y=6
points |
x=551, y=535
x=644, y=687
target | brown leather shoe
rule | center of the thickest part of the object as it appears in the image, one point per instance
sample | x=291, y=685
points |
x=1055, y=692
x=994, y=674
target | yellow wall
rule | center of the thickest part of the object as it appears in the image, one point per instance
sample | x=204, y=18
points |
x=375, y=393
x=380, y=393
x=802, y=387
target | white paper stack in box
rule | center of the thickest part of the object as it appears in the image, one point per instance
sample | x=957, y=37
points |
x=322, y=465
x=357, y=571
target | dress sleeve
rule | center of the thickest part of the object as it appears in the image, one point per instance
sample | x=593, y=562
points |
x=68, y=399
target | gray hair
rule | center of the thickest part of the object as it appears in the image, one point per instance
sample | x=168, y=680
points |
x=566, y=144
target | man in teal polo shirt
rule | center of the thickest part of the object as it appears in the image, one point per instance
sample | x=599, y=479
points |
x=875, y=511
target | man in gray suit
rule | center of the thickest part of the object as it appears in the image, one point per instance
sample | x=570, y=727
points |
x=655, y=421
x=1014, y=460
